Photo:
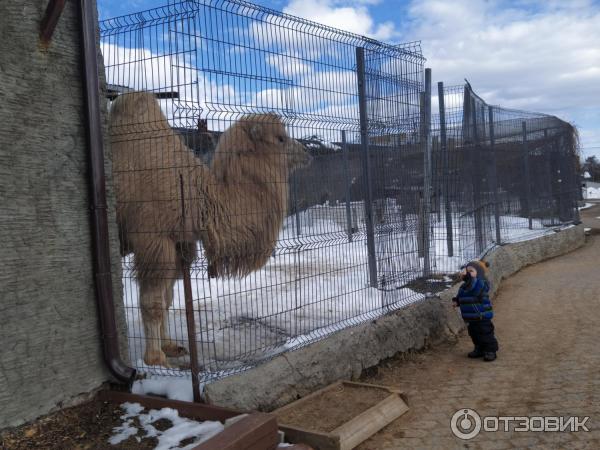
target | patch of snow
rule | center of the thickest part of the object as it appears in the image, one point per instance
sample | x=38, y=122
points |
x=181, y=428
x=586, y=206
x=174, y=388
x=126, y=430
x=592, y=193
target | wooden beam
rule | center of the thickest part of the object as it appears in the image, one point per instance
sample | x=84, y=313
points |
x=51, y=16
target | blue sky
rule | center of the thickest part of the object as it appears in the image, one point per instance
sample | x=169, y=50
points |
x=527, y=54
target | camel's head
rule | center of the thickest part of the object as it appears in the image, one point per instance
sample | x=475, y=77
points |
x=268, y=133
x=257, y=144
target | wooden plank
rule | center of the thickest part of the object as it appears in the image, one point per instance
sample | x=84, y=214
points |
x=50, y=19
x=370, y=421
x=258, y=431
x=390, y=389
x=198, y=411
x=319, y=440
x=353, y=432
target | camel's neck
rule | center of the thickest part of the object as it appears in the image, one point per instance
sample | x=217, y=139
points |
x=242, y=221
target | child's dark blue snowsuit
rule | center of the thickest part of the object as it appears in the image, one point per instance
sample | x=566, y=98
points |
x=476, y=309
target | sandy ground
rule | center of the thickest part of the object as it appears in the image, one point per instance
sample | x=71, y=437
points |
x=547, y=320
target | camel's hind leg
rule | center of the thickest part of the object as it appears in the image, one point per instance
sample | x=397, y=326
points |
x=156, y=263
x=169, y=345
x=185, y=251
x=153, y=314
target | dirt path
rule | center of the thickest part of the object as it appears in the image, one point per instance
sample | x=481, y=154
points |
x=548, y=324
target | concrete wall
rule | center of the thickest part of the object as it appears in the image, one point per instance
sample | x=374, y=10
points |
x=345, y=354
x=50, y=352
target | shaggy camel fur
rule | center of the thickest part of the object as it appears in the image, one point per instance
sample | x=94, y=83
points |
x=236, y=208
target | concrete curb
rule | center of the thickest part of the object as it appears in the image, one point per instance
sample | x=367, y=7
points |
x=345, y=354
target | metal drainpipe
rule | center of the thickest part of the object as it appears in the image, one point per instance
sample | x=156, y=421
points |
x=102, y=270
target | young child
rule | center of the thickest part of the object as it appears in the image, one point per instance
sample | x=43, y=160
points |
x=476, y=309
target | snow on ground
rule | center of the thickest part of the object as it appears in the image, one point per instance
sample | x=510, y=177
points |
x=586, y=206
x=178, y=388
x=316, y=283
x=171, y=438
x=591, y=193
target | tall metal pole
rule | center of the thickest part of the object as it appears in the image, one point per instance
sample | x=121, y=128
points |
x=427, y=173
x=494, y=175
x=364, y=139
x=527, y=175
x=348, y=181
x=295, y=203
x=189, y=307
x=476, y=180
x=445, y=170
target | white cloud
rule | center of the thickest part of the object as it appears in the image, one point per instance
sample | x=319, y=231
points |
x=289, y=64
x=541, y=56
x=351, y=16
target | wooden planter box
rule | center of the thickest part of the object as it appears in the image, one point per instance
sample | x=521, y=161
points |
x=257, y=431
x=358, y=416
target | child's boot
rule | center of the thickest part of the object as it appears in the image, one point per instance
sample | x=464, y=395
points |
x=477, y=353
x=489, y=356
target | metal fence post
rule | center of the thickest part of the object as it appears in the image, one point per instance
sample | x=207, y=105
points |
x=427, y=173
x=295, y=203
x=494, y=175
x=189, y=306
x=445, y=170
x=364, y=139
x=527, y=175
x=476, y=180
x=348, y=181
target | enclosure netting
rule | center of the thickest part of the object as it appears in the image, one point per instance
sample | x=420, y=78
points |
x=284, y=251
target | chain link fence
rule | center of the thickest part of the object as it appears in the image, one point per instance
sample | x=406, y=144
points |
x=235, y=249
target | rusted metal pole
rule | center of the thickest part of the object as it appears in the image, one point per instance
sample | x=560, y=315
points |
x=102, y=266
x=189, y=306
x=51, y=16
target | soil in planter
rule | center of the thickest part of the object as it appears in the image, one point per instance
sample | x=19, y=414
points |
x=333, y=408
x=83, y=427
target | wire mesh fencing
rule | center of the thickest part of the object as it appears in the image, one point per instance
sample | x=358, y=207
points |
x=500, y=175
x=278, y=180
